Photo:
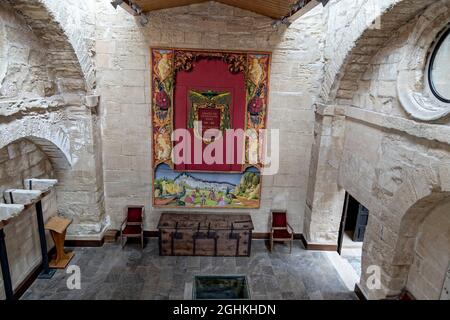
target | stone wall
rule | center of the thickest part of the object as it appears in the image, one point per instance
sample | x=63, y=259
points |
x=43, y=99
x=389, y=161
x=335, y=95
x=62, y=34
x=382, y=85
x=23, y=61
x=123, y=62
x=324, y=202
x=356, y=31
x=18, y=161
x=389, y=172
x=75, y=21
x=431, y=255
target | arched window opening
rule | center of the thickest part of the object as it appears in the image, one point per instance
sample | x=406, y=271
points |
x=439, y=68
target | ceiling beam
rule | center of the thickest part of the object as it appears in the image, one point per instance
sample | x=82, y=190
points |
x=271, y=8
x=151, y=5
x=305, y=9
x=126, y=5
x=286, y=11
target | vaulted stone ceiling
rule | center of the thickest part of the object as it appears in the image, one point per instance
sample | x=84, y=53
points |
x=271, y=8
x=63, y=58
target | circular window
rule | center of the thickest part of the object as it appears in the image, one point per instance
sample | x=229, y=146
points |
x=439, y=71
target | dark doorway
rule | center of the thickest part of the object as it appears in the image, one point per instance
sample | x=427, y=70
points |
x=354, y=221
x=352, y=230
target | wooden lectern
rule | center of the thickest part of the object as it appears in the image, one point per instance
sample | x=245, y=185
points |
x=58, y=227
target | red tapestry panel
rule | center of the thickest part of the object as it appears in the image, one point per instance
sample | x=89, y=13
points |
x=210, y=75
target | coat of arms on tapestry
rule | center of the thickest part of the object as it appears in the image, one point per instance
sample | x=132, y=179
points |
x=211, y=111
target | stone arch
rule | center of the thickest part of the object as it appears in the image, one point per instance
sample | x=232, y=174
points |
x=342, y=74
x=410, y=223
x=52, y=140
x=70, y=48
x=391, y=244
x=426, y=258
x=57, y=156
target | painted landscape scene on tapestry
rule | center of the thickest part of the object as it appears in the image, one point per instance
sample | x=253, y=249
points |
x=210, y=190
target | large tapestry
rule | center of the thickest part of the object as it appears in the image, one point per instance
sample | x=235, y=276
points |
x=200, y=91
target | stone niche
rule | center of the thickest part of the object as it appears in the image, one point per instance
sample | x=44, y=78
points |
x=21, y=160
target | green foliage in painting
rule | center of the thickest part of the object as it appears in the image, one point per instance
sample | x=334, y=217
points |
x=251, y=90
x=249, y=186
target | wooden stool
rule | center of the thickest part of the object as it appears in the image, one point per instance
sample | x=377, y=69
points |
x=58, y=227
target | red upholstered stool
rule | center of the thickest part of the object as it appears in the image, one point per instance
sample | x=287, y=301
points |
x=133, y=224
x=281, y=230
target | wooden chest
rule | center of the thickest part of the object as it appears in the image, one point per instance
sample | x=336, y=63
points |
x=195, y=234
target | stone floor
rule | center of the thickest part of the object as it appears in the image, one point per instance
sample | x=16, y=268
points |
x=355, y=262
x=112, y=273
x=352, y=252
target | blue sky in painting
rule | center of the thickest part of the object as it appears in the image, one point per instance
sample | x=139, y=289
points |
x=163, y=170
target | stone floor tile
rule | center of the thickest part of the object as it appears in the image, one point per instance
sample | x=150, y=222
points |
x=110, y=272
